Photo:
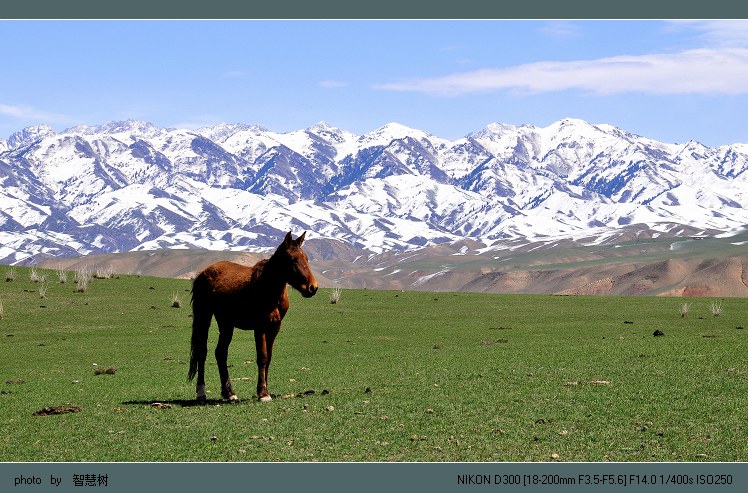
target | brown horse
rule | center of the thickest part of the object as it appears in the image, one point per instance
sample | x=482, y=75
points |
x=248, y=298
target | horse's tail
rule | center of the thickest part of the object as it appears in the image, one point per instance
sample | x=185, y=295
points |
x=201, y=317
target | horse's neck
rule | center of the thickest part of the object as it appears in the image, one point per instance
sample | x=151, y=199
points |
x=270, y=279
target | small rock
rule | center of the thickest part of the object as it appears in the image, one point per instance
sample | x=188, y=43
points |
x=329, y=408
x=658, y=333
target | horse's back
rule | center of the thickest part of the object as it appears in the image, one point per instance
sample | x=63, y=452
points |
x=223, y=277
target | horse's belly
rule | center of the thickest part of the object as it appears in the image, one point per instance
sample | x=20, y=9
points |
x=236, y=312
x=258, y=321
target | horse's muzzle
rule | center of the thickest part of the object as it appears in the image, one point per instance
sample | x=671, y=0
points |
x=309, y=290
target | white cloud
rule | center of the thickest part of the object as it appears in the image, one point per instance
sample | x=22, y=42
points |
x=24, y=112
x=332, y=84
x=716, y=33
x=559, y=29
x=701, y=71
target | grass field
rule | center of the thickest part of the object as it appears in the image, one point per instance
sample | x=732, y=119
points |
x=379, y=376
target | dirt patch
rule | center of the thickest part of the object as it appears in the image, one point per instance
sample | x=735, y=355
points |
x=47, y=411
x=302, y=394
x=491, y=342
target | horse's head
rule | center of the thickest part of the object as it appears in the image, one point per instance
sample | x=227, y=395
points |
x=296, y=264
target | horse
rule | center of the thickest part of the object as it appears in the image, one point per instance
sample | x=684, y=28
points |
x=249, y=298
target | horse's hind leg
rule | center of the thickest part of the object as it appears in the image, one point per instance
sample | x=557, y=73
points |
x=199, y=351
x=226, y=332
x=200, y=395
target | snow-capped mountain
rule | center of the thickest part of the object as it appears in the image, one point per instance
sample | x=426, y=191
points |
x=133, y=186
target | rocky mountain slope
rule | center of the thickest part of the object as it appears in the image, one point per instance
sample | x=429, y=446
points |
x=131, y=186
x=714, y=267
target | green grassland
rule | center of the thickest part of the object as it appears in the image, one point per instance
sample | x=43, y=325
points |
x=379, y=376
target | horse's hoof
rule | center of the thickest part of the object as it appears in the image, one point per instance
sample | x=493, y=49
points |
x=266, y=398
x=200, y=393
x=233, y=399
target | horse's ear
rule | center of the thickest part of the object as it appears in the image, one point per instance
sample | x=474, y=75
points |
x=288, y=240
x=300, y=239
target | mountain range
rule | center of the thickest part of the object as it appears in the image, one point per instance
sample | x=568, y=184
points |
x=131, y=186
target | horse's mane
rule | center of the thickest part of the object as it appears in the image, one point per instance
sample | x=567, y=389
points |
x=257, y=269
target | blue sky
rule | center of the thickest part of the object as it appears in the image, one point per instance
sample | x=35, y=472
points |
x=669, y=80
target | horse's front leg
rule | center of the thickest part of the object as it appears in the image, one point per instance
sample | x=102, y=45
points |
x=226, y=332
x=264, y=340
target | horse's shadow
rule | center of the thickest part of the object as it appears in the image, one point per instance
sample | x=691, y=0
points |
x=215, y=402
x=184, y=402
